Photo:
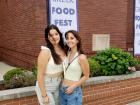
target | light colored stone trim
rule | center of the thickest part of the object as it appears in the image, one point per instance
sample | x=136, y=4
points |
x=105, y=79
x=17, y=93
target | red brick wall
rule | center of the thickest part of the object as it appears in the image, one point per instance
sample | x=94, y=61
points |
x=23, y=23
x=22, y=32
x=99, y=17
x=112, y=93
x=130, y=36
x=32, y=100
x=0, y=54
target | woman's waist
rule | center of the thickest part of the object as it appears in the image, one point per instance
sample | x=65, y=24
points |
x=54, y=74
x=68, y=82
x=53, y=70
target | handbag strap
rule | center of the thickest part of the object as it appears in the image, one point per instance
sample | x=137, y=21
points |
x=71, y=62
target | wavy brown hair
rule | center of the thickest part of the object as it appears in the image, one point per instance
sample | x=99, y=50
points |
x=55, y=56
x=79, y=44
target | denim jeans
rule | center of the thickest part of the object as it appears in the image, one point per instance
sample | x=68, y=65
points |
x=52, y=90
x=75, y=98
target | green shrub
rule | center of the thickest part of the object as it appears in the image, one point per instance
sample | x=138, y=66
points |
x=18, y=77
x=94, y=67
x=17, y=71
x=34, y=70
x=138, y=65
x=114, y=61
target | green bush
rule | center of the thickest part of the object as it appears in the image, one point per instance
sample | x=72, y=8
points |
x=138, y=65
x=114, y=61
x=94, y=67
x=18, y=77
x=17, y=71
x=34, y=70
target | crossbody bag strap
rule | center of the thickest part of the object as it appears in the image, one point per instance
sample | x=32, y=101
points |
x=71, y=62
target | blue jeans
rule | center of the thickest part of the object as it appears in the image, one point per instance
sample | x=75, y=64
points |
x=75, y=98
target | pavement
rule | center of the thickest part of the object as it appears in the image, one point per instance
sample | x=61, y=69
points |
x=4, y=68
x=134, y=103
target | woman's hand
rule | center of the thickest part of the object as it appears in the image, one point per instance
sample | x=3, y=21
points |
x=70, y=89
x=46, y=100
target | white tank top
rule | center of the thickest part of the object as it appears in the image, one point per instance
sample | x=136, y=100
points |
x=51, y=67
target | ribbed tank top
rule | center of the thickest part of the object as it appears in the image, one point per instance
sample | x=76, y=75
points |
x=51, y=67
x=74, y=71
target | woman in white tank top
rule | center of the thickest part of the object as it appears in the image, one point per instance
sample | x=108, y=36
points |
x=50, y=67
x=76, y=65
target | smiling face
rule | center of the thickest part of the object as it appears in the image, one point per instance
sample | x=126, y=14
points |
x=71, y=40
x=54, y=37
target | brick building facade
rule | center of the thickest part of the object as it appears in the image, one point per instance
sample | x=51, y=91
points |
x=22, y=24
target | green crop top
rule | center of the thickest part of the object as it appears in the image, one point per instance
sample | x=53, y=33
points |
x=74, y=71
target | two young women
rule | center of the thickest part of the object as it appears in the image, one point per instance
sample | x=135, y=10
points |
x=52, y=62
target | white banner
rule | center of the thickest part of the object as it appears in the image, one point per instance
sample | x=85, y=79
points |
x=137, y=28
x=63, y=13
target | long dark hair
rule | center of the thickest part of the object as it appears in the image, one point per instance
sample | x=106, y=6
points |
x=79, y=44
x=55, y=56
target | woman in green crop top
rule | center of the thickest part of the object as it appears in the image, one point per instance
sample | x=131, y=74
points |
x=76, y=71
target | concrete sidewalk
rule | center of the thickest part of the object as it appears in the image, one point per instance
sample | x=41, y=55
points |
x=134, y=103
x=4, y=68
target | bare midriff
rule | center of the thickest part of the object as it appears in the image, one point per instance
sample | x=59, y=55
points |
x=68, y=82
